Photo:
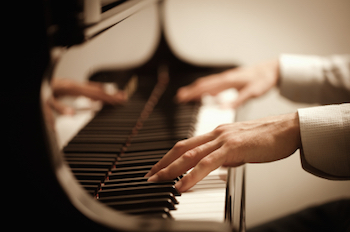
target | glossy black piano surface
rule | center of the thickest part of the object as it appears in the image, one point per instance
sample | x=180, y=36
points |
x=96, y=182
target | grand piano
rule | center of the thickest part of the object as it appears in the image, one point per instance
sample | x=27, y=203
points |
x=94, y=181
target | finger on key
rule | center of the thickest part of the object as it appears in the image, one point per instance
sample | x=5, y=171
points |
x=178, y=150
x=187, y=161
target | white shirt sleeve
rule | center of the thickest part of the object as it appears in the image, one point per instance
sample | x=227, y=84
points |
x=315, y=79
x=325, y=130
x=325, y=137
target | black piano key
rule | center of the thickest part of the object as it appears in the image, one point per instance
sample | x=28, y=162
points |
x=89, y=164
x=99, y=139
x=124, y=130
x=92, y=148
x=145, y=137
x=89, y=182
x=165, y=195
x=136, y=184
x=144, y=157
x=163, y=126
x=142, y=153
x=90, y=170
x=124, y=119
x=91, y=188
x=122, y=123
x=131, y=109
x=131, y=180
x=171, y=121
x=180, y=128
x=131, y=163
x=100, y=131
x=150, y=212
x=146, y=130
x=106, y=134
x=164, y=135
x=92, y=159
x=90, y=176
x=105, y=122
x=92, y=185
x=120, y=126
x=126, y=180
x=141, y=204
x=121, y=175
x=138, y=190
x=157, y=145
x=132, y=169
x=91, y=155
x=91, y=192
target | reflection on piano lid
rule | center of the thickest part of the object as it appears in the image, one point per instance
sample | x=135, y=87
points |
x=96, y=182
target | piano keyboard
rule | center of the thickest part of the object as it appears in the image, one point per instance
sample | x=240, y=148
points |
x=206, y=201
x=112, y=153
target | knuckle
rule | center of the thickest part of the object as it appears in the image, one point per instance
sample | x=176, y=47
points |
x=156, y=167
x=205, y=162
x=163, y=174
x=180, y=145
x=233, y=141
x=221, y=130
x=255, y=92
x=190, y=155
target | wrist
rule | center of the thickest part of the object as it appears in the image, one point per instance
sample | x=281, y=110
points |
x=281, y=137
x=295, y=129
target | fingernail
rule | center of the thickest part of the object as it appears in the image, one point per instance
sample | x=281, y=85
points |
x=153, y=178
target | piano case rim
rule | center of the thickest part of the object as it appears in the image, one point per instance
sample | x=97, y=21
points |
x=98, y=213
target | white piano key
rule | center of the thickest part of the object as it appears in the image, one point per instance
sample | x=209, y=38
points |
x=206, y=200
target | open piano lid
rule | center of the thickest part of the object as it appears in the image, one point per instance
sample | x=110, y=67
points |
x=49, y=196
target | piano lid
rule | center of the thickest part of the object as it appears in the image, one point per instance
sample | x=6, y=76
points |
x=73, y=22
x=129, y=43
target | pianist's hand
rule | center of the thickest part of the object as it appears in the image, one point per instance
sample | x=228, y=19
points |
x=91, y=90
x=249, y=81
x=264, y=140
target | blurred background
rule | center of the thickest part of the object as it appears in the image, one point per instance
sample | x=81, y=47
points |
x=232, y=32
x=244, y=33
